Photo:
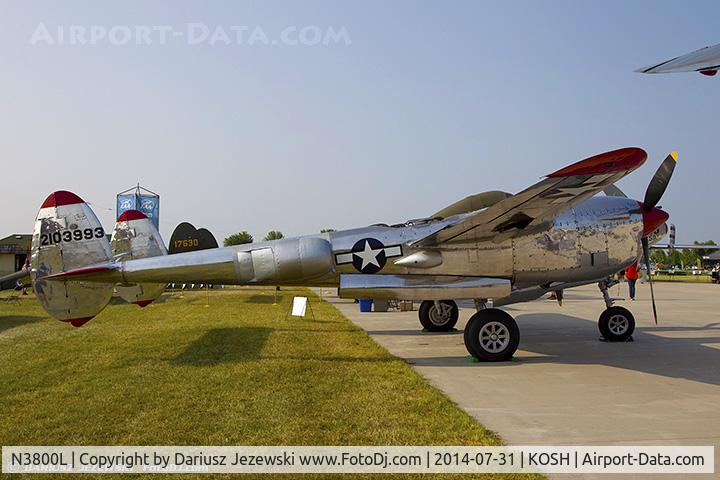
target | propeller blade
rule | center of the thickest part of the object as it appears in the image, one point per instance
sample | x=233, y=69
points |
x=659, y=182
x=646, y=254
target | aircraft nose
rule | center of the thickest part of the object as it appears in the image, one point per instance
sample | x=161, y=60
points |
x=653, y=219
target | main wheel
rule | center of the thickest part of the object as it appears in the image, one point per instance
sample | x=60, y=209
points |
x=441, y=319
x=616, y=324
x=492, y=335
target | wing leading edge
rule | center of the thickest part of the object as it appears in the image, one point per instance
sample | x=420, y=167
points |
x=705, y=60
x=540, y=203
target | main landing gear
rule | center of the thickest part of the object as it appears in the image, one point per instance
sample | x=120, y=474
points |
x=616, y=324
x=492, y=335
x=438, y=315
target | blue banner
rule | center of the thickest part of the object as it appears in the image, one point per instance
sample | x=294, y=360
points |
x=147, y=204
x=150, y=206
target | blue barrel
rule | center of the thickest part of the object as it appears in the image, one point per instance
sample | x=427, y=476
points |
x=365, y=305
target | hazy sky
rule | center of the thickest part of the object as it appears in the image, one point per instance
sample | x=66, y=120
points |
x=413, y=106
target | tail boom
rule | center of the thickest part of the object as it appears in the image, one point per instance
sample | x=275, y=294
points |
x=284, y=262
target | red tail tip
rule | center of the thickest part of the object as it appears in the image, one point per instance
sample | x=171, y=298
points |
x=709, y=73
x=128, y=215
x=79, y=322
x=61, y=197
x=143, y=303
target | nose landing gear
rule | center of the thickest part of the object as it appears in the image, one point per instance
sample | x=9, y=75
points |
x=616, y=324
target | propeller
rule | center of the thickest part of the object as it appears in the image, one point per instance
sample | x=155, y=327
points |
x=654, y=217
x=659, y=182
x=646, y=254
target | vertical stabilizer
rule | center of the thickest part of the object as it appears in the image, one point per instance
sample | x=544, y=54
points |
x=135, y=237
x=68, y=236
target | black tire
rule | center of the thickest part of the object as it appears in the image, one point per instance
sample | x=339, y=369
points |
x=479, y=332
x=616, y=324
x=432, y=322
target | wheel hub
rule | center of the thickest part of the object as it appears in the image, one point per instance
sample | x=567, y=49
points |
x=494, y=337
x=618, y=324
x=440, y=316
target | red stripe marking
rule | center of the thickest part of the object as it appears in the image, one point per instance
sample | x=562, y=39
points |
x=131, y=215
x=608, y=162
x=709, y=73
x=78, y=271
x=143, y=303
x=61, y=197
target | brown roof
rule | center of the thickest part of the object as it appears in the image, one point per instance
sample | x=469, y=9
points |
x=16, y=243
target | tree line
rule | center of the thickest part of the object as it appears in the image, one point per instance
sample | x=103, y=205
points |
x=244, y=237
x=685, y=258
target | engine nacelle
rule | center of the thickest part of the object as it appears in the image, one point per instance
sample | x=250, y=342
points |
x=287, y=260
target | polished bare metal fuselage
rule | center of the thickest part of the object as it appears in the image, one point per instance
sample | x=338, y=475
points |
x=584, y=244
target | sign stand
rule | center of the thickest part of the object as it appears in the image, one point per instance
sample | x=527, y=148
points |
x=298, y=308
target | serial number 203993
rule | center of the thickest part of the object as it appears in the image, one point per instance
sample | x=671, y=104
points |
x=71, y=235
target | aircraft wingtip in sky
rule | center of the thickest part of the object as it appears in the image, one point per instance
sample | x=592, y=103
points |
x=705, y=61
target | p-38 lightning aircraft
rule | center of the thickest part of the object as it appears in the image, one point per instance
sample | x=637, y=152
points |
x=492, y=246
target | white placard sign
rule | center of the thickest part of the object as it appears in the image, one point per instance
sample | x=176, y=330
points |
x=299, y=306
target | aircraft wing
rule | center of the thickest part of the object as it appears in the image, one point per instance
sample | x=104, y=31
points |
x=13, y=277
x=667, y=246
x=532, y=208
x=706, y=61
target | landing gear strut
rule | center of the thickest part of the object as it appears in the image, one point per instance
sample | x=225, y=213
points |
x=492, y=335
x=616, y=324
x=438, y=315
x=481, y=304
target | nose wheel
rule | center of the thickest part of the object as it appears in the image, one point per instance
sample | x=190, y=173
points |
x=492, y=335
x=616, y=324
x=438, y=316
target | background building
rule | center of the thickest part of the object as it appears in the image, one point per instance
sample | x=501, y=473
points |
x=14, y=250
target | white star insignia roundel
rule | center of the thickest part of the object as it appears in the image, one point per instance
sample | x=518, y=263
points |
x=368, y=255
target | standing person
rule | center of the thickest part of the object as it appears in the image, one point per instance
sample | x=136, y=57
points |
x=631, y=274
x=26, y=267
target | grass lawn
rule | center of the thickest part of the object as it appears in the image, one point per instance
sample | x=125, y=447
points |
x=235, y=372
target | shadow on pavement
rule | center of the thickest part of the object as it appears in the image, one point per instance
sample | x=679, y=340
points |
x=575, y=341
x=418, y=332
